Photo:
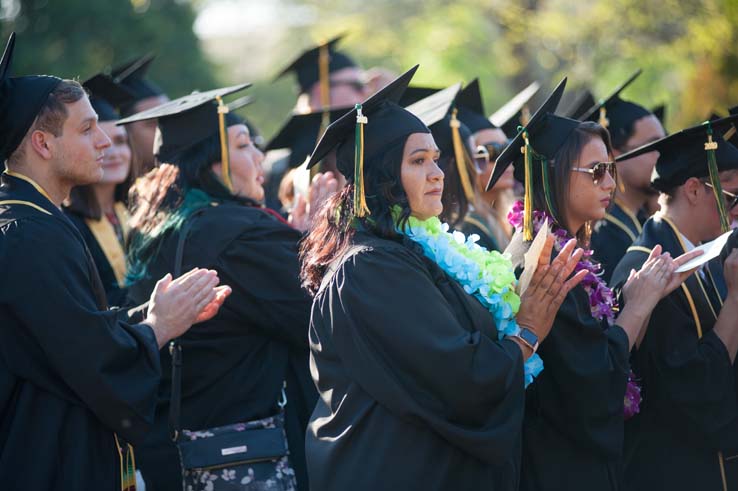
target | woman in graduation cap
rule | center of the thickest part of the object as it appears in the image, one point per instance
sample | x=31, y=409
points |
x=234, y=367
x=99, y=210
x=573, y=428
x=416, y=347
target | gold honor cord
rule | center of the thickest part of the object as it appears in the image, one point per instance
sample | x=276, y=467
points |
x=603, y=121
x=360, y=208
x=528, y=201
x=223, y=131
x=730, y=133
x=710, y=147
x=460, y=156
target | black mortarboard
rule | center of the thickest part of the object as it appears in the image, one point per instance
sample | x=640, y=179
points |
x=515, y=111
x=437, y=112
x=307, y=66
x=132, y=76
x=300, y=133
x=616, y=114
x=415, y=93
x=699, y=151
x=533, y=149
x=380, y=122
x=106, y=96
x=189, y=120
x=577, y=105
x=21, y=98
x=471, y=107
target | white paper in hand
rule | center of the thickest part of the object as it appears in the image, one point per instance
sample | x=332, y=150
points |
x=711, y=250
x=531, y=258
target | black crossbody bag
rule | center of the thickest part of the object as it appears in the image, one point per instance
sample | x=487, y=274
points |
x=248, y=456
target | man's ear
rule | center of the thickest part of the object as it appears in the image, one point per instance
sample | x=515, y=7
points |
x=42, y=144
x=217, y=168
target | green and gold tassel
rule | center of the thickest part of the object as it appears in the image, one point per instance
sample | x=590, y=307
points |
x=223, y=131
x=717, y=188
x=360, y=207
x=527, y=151
x=603, y=121
x=461, y=159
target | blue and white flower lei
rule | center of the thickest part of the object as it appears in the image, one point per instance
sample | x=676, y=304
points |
x=487, y=275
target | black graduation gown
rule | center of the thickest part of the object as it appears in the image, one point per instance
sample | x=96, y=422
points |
x=686, y=434
x=71, y=373
x=613, y=235
x=475, y=224
x=115, y=294
x=573, y=428
x=234, y=365
x=416, y=390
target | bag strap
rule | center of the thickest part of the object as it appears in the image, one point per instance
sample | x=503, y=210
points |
x=175, y=350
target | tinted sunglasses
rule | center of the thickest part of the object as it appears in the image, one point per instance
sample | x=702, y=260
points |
x=599, y=170
x=484, y=154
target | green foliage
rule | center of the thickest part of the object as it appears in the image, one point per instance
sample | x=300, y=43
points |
x=78, y=38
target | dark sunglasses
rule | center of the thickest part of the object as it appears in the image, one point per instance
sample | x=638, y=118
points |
x=599, y=170
x=484, y=154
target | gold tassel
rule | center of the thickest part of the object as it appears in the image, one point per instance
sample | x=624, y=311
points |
x=225, y=159
x=604, y=122
x=525, y=116
x=360, y=208
x=528, y=201
x=460, y=156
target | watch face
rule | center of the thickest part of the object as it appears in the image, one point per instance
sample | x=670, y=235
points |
x=528, y=336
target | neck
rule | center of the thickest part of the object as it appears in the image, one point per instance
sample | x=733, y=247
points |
x=105, y=194
x=682, y=217
x=632, y=199
x=57, y=189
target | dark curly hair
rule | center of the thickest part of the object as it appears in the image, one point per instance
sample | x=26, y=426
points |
x=333, y=228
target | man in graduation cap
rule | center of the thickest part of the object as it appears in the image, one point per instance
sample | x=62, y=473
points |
x=78, y=380
x=686, y=435
x=327, y=77
x=146, y=95
x=631, y=126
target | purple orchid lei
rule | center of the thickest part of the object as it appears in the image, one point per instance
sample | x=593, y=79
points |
x=601, y=299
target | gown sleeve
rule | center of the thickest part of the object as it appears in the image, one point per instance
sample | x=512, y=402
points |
x=68, y=346
x=401, y=341
x=262, y=268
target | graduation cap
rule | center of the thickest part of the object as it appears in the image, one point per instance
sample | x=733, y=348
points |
x=471, y=108
x=578, y=105
x=186, y=121
x=21, y=98
x=316, y=64
x=131, y=75
x=300, y=133
x=617, y=114
x=366, y=131
x=106, y=96
x=699, y=151
x=438, y=113
x=537, y=143
x=415, y=93
x=515, y=112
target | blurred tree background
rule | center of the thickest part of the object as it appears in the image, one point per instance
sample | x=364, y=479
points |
x=687, y=49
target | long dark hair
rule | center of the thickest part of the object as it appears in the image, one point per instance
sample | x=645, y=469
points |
x=333, y=228
x=83, y=201
x=161, y=200
x=560, y=172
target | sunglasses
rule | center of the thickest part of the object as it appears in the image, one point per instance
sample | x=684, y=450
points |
x=730, y=198
x=599, y=170
x=486, y=153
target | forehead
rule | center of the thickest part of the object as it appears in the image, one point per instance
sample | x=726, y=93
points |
x=238, y=129
x=423, y=141
x=348, y=73
x=80, y=111
x=594, y=151
x=110, y=128
x=648, y=128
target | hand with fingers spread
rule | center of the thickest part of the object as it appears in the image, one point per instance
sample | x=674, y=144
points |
x=647, y=286
x=548, y=288
x=177, y=304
